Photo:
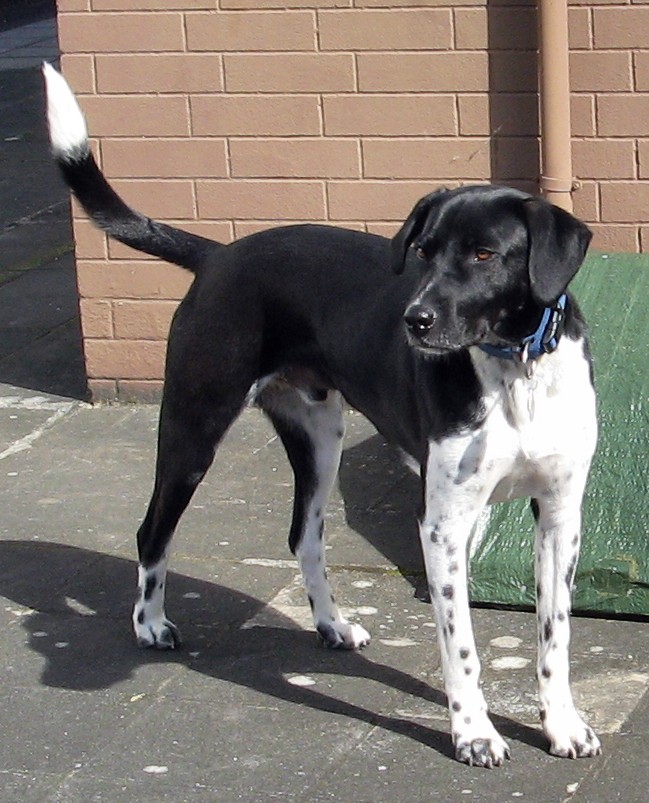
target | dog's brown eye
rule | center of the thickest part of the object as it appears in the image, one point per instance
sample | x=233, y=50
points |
x=482, y=255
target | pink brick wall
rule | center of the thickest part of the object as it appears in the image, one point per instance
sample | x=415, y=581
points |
x=226, y=116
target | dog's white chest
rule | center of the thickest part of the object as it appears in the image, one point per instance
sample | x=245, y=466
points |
x=539, y=430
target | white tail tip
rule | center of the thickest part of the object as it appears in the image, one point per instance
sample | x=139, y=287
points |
x=67, y=125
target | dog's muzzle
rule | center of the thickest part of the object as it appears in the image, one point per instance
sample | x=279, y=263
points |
x=422, y=325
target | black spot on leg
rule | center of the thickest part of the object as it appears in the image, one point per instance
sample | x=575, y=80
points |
x=451, y=629
x=448, y=592
x=539, y=591
x=311, y=604
x=570, y=574
x=434, y=535
x=472, y=459
x=467, y=720
x=543, y=714
x=547, y=629
x=561, y=616
x=468, y=670
x=453, y=568
x=140, y=617
x=456, y=706
x=464, y=653
x=149, y=586
x=545, y=672
x=575, y=540
x=534, y=505
x=318, y=394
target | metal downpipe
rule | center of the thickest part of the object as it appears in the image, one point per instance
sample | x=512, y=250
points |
x=557, y=182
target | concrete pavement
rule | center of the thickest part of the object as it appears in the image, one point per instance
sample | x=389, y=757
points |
x=40, y=337
x=252, y=708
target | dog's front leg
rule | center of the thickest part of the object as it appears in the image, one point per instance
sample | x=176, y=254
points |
x=558, y=524
x=450, y=515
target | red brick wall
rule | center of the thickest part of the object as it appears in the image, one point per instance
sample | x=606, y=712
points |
x=226, y=117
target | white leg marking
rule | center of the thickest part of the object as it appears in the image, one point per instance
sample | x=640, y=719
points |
x=321, y=422
x=455, y=495
x=557, y=552
x=324, y=423
x=152, y=628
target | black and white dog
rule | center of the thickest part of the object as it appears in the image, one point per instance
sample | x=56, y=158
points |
x=456, y=339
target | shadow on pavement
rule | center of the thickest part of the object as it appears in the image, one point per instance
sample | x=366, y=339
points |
x=82, y=599
x=382, y=503
x=40, y=332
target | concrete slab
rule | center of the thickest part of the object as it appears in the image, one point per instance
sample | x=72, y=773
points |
x=35, y=240
x=252, y=703
x=29, y=44
x=38, y=350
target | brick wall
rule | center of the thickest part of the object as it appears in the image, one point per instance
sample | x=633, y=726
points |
x=259, y=112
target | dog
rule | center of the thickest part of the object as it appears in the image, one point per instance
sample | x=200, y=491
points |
x=457, y=339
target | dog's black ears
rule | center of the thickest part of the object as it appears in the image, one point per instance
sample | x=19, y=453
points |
x=412, y=227
x=557, y=246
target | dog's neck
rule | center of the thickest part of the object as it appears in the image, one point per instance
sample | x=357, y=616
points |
x=544, y=340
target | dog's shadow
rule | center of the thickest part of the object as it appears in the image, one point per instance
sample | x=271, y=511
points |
x=75, y=608
x=382, y=499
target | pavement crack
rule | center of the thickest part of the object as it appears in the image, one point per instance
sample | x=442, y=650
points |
x=27, y=441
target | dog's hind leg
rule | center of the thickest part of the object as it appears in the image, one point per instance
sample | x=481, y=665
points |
x=186, y=445
x=311, y=426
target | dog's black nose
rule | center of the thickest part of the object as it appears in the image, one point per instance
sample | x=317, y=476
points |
x=419, y=319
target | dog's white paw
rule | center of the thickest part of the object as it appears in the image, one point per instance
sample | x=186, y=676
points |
x=343, y=635
x=482, y=753
x=570, y=736
x=159, y=633
x=479, y=744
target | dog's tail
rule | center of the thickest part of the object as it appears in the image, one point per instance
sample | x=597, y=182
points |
x=71, y=150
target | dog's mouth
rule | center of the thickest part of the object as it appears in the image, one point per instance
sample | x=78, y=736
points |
x=440, y=344
x=436, y=348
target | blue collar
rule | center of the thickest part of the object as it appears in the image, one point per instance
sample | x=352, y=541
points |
x=543, y=341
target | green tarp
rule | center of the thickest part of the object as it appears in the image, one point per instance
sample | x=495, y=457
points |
x=613, y=572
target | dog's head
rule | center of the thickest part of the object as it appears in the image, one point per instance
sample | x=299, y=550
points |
x=490, y=259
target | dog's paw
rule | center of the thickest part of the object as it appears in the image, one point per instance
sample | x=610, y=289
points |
x=159, y=634
x=480, y=745
x=343, y=635
x=482, y=752
x=570, y=736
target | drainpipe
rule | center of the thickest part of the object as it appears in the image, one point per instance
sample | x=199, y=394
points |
x=557, y=181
